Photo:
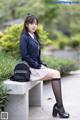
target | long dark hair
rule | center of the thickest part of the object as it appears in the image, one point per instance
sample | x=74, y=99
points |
x=29, y=20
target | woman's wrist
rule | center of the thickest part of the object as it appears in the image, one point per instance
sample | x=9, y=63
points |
x=44, y=64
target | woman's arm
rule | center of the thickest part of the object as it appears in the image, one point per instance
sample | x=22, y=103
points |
x=24, y=53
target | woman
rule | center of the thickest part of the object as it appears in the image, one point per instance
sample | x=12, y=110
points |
x=30, y=49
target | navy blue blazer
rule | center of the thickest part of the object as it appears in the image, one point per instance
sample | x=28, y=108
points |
x=30, y=50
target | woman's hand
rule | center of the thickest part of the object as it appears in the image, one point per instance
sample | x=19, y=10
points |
x=45, y=64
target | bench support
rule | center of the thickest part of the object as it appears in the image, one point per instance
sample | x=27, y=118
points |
x=36, y=95
x=18, y=104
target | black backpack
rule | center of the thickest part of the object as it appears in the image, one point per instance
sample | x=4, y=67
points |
x=21, y=72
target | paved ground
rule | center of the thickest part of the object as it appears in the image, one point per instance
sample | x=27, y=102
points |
x=71, y=95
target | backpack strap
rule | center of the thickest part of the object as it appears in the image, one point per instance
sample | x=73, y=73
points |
x=24, y=63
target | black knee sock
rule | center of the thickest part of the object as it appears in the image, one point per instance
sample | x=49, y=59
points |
x=56, y=86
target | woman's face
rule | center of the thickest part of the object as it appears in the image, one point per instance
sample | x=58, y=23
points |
x=32, y=27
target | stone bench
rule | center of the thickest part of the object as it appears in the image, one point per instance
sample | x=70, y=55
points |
x=21, y=96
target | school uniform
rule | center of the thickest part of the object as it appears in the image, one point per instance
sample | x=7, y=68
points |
x=30, y=50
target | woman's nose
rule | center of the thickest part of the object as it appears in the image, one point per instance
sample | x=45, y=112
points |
x=34, y=24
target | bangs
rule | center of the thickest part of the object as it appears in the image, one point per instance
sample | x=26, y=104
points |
x=31, y=19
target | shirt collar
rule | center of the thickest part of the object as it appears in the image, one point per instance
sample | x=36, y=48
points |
x=32, y=35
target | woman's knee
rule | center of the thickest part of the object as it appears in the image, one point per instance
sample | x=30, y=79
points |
x=52, y=74
x=56, y=74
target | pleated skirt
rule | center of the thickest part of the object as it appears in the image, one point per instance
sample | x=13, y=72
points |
x=43, y=73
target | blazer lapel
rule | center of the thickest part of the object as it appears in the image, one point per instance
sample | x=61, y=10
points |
x=34, y=39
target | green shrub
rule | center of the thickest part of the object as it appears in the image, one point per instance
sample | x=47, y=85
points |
x=44, y=36
x=63, y=65
x=61, y=39
x=3, y=97
x=10, y=39
x=1, y=34
x=7, y=64
x=63, y=42
x=75, y=41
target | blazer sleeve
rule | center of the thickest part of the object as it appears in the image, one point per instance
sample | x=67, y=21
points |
x=24, y=53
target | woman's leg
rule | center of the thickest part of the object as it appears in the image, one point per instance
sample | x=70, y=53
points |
x=56, y=86
x=54, y=75
x=58, y=108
